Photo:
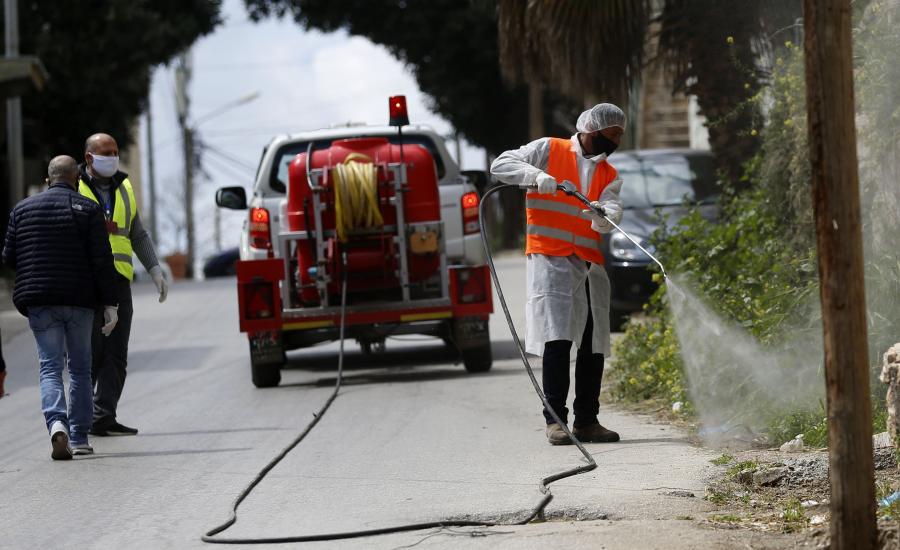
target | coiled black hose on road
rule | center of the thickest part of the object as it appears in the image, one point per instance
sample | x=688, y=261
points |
x=536, y=512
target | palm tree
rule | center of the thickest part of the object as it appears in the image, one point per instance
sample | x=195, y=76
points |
x=593, y=49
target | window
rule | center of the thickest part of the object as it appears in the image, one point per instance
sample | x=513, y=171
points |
x=666, y=180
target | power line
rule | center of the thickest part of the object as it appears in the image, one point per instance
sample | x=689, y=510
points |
x=221, y=166
x=229, y=157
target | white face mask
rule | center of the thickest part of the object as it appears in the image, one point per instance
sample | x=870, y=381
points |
x=105, y=166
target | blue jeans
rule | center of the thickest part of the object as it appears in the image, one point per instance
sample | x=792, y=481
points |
x=62, y=331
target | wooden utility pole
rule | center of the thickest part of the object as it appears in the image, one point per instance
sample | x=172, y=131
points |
x=182, y=101
x=835, y=187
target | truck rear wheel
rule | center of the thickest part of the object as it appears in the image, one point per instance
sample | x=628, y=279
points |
x=473, y=340
x=265, y=375
x=266, y=358
x=478, y=359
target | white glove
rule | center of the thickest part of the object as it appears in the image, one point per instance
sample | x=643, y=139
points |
x=546, y=184
x=613, y=211
x=110, y=318
x=159, y=279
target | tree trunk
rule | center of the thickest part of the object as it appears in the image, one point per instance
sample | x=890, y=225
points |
x=835, y=182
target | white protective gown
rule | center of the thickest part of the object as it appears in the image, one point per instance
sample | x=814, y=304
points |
x=557, y=305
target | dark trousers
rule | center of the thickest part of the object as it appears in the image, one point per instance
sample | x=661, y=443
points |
x=110, y=357
x=588, y=376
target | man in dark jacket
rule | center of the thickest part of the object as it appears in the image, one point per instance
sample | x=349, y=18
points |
x=57, y=244
x=101, y=181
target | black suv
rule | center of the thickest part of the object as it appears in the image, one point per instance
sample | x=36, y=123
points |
x=657, y=182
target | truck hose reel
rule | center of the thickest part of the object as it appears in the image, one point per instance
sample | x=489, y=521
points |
x=355, y=195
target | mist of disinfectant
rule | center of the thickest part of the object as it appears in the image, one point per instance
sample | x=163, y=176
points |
x=737, y=384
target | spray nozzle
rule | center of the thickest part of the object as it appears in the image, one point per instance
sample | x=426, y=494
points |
x=567, y=187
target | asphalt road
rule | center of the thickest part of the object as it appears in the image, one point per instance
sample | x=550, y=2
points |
x=412, y=437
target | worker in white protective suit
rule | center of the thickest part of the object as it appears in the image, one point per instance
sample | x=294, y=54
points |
x=568, y=290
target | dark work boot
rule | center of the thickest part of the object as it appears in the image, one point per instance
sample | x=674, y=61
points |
x=595, y=433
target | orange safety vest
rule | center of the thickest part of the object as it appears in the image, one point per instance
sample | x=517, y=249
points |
x=555, y=224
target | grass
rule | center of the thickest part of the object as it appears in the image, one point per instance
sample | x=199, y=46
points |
x=725, y=518
x=722, y=460
x=685, y=518
x=734, y=470
x=792, y=516
x=719, y=497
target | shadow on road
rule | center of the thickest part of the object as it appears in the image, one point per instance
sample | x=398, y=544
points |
x=408, y=374
x=318, y=360
x=173, y=452
x=428, y=354
x=677, y=440
x=397, y=365
x=203, y=432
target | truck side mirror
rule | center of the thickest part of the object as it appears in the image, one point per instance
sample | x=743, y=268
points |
x=234, y=198
x=478, y=178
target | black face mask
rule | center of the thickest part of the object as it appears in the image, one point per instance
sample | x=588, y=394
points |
x=602, y=144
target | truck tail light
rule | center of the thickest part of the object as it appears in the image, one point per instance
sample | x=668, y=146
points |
x=259, y=300
x=260, y=234
x=470, y=213
x=469, y=286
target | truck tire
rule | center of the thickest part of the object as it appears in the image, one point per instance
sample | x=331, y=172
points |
x=266, y=359
x=265, y=375
x=478, y=359
x=473, y=340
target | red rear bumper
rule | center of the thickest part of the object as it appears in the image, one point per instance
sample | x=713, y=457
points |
x=261, y=309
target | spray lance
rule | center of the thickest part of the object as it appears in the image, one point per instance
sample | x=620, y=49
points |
x=570, y=189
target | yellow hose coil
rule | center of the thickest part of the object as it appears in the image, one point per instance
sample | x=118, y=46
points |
x=355, y=195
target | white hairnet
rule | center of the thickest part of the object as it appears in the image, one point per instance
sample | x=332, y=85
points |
x=600, y=117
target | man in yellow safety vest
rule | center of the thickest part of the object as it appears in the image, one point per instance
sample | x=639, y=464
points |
x=101, y=181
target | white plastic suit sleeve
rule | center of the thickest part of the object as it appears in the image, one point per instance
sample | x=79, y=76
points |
x=522, y=165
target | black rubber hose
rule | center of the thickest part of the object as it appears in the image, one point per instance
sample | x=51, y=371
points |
x=537, y=511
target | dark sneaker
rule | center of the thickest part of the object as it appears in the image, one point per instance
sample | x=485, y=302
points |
x=556, y=435
x=595, y=433
x=80, y=449
x=99, y=428
x=111, y=429
x=120, y=429
x=59, y=441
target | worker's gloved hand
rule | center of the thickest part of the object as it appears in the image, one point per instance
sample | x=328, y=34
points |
x=2, y=379
x=546, y=184
x=159, y=279
x=110, y=318
x=611, y=209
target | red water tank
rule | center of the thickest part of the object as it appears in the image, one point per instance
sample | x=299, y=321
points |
x=372, y=255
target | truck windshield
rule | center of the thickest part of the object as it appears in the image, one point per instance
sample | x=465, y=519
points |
x=278, y=179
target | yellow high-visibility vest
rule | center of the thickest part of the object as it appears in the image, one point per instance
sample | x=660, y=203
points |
x=124, y=209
